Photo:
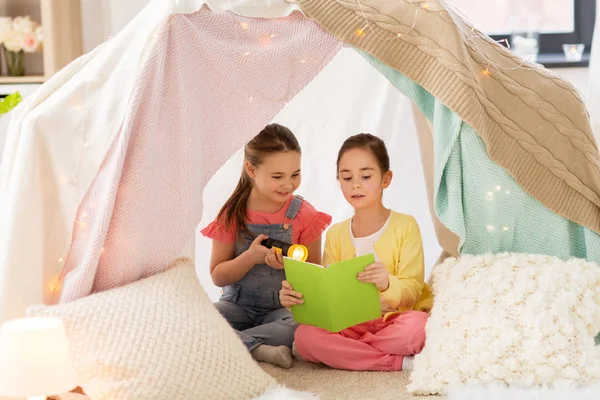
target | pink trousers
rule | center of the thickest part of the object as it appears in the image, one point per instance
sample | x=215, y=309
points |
x=376, y=345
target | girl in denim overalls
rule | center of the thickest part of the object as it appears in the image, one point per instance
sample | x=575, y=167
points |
x=263, y=205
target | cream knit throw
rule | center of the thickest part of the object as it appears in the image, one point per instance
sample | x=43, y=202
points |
x=155, y=339
x=534, y=124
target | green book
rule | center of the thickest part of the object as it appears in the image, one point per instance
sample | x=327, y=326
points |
x=334, y=299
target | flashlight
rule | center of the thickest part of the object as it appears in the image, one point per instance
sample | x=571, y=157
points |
x=295, y=251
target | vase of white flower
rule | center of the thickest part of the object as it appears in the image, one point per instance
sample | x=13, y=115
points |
x=19, y=35
x=15, y=62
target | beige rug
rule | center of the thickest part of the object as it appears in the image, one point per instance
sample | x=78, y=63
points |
x=347, y=385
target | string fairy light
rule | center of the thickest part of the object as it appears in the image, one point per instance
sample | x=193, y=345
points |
x=426, y=7
x=490, y=196
x=361, y=31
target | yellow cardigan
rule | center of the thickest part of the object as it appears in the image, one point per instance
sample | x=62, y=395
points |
x=401, y=250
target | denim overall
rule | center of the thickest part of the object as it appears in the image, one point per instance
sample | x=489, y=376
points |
x=251, y=305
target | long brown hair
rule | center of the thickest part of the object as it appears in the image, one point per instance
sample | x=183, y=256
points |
x=368, y=142
x=272, y=139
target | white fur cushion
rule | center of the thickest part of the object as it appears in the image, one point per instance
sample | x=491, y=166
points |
x=158, y=338
x=513, y=319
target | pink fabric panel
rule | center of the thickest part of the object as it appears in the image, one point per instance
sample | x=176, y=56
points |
x=212, y=82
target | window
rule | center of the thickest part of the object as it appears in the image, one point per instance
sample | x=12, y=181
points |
x=557, y=21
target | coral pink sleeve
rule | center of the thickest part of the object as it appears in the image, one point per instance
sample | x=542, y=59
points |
x=313, y=223
x=219, y=232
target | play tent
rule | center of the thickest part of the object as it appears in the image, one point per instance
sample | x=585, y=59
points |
x=103, y=173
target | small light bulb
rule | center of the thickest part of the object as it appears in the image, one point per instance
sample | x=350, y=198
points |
x=298, y=254
x=244, y=25
x=490, y=228
x=505, y=229
x=490, y=196
x=498, y=187
x=361, y=31
x=60, y=260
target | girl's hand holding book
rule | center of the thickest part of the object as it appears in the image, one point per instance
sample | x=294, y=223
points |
x=288, y=297
x=376, y=273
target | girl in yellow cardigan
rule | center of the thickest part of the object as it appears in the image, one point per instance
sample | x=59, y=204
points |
x=387, y=343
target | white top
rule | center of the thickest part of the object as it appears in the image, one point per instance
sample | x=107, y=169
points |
x=366, y=245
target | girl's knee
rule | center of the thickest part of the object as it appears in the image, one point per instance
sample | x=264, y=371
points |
x=306, y=334
x=286, y=334
x=421, y=317
x=418, y=320
x=288, y=329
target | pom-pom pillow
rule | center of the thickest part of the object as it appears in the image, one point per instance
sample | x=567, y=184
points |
x=515, y=319
x=158, y=338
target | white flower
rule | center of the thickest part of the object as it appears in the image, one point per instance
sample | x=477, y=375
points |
x=24, y=25
x=5, y=27
x=14, y=41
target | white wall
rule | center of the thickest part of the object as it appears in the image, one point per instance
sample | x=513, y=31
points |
x=579, y=77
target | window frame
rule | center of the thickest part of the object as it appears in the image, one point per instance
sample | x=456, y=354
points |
x=551, y=52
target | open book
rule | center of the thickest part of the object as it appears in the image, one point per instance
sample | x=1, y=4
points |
x=334, y=299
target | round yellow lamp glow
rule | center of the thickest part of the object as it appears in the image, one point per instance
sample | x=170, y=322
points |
x=295, y=251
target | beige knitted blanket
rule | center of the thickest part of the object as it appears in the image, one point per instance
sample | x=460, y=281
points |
x=535, y=124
